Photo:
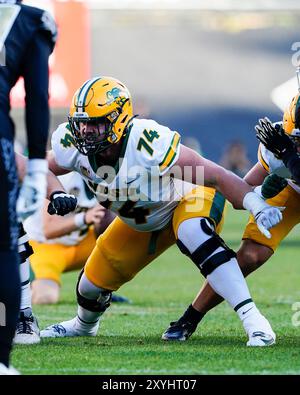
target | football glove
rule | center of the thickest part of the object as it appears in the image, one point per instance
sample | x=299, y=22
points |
x=267, y=219
x=33, y=190
x=61, y=203
x=265, y=216
x=274, y=138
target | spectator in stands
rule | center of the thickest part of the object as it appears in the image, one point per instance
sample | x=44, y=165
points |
x=235, y=158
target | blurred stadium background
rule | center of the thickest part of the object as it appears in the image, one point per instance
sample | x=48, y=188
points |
x=205, y=68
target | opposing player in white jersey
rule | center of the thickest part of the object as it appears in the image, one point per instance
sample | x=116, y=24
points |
x=279, y=187
x=63, y=244
x=139, y=169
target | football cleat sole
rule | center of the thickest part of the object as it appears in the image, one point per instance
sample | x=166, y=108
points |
x=32, y=338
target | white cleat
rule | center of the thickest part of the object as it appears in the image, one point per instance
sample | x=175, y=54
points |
x=261, y=339
x=28, y=331
x=11, y=371
x=70, y=328
x=260, y=332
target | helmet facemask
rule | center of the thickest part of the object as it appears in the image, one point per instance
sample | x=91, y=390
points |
x=295, y=135
x=291, y=121
x=92, y=135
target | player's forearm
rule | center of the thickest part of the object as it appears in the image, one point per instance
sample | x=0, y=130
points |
x=205, y=172
x=37, y=135
x=21, y=162
x=236, y=190
x=60, y=227
x=36, y=80
x=256, y=175
x=231, y=186
x=208, y=173
x=57, y=226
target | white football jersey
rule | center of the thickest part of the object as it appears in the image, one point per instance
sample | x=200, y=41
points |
x=134, y=189
x=273, y=165
x=73, y=184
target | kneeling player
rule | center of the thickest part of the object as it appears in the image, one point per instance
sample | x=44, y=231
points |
x=256, y=249
x=107, y=145
x=63, y=244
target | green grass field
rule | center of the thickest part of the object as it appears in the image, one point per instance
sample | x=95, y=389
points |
x=129, y=338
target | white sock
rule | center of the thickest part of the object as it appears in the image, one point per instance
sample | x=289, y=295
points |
x=86, y=318
x=23, y=247
x=25, y=285
x=227, y=280
x=247, y=311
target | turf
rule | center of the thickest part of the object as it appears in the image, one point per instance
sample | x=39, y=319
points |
x=129, y=339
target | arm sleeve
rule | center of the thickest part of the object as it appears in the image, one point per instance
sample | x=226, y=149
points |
x=64, y=151
x=156, y=146
x=36, y=80
x=292, y=162
x=262, y=157
x=171, y=154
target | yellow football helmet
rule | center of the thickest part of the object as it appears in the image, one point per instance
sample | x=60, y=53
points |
x=100, y=101
x=291, y=119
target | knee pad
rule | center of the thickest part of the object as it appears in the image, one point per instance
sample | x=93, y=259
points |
x=98, y=305
x=206, y=257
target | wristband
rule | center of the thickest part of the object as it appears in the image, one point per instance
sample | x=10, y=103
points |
x=51, y=197
x=79, y=220
x=254, y=203
x=37, y=166
x=257, y=190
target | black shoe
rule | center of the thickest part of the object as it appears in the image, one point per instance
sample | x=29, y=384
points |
x=179, y=330
x=119, y=299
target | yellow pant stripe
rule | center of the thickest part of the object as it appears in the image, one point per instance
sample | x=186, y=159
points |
x=217, y=208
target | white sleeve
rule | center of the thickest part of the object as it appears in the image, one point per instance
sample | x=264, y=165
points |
x=263, y=157
x=157, y=146
x=62, y=144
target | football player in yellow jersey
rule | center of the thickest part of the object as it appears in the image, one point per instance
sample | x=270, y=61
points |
x=139, y=169
x=278, y=155
x=284, y=142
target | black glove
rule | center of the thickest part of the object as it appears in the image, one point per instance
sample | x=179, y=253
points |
x=274, y=138
x=272, y=185
x=61, y=203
